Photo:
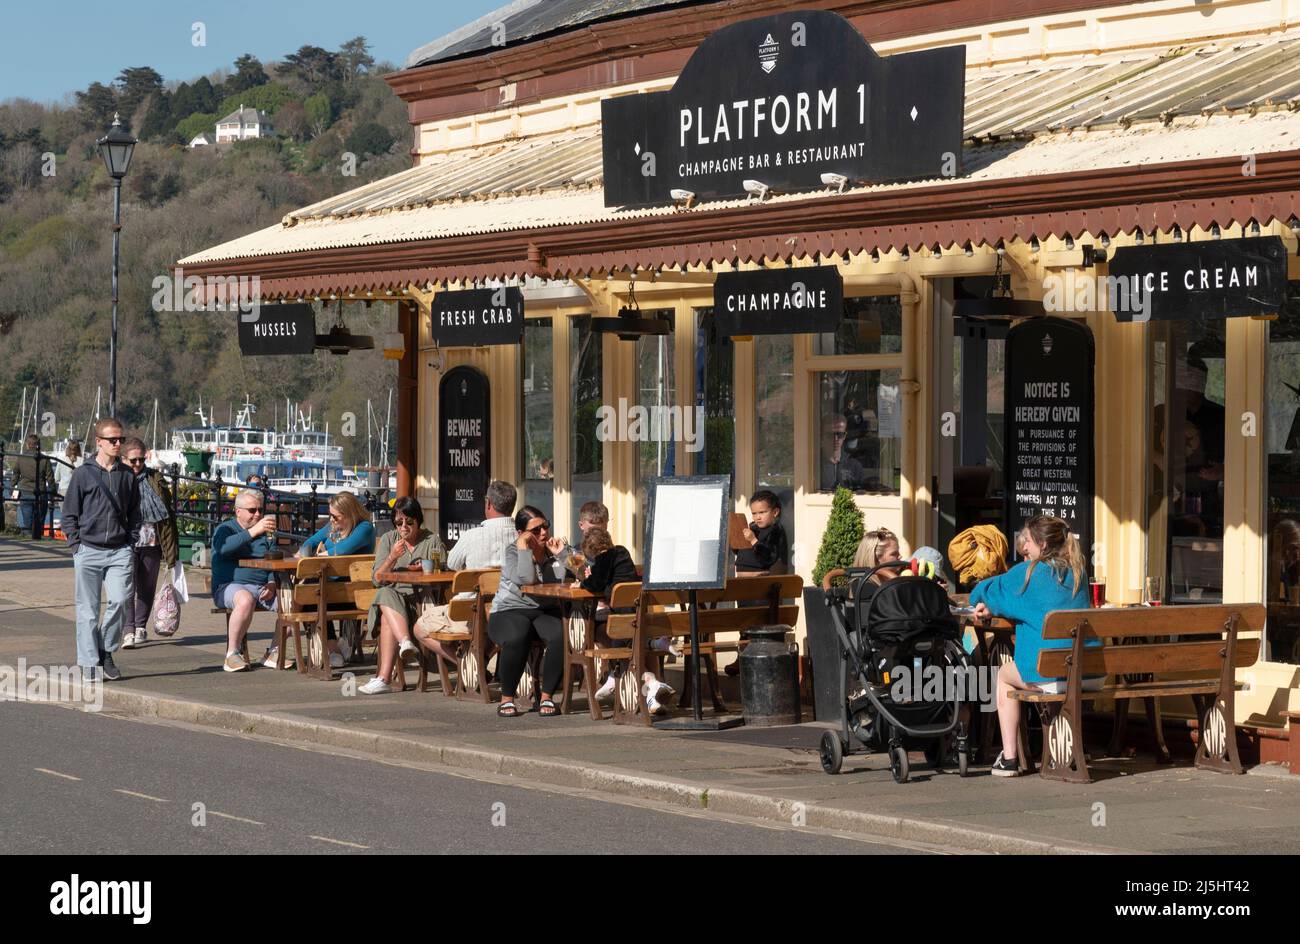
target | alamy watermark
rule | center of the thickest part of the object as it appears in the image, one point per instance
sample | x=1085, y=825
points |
x=181, y=292
x=54, y=684
x=1080, y=292
x=937, y=684
x=651, y=424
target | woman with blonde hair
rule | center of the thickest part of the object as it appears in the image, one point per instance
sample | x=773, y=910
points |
x=348, y=531
x=1054, y=576
x=878, y=547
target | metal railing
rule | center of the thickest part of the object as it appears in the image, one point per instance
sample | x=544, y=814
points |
x=200, y=503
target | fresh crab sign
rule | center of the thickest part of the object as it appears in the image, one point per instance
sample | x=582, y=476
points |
x=787, y=102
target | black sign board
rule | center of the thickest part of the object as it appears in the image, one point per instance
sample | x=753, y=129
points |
x=779, y=301
x=464, y=450
x=686, y=532
x=478, y=317
x=1220, y=278
x=1048, y=466
x=783, y=100
x=277, y=329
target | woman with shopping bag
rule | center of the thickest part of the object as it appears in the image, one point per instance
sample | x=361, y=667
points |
x=158, y=548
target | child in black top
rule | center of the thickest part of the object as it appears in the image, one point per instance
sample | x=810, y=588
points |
x=608, y=564
x=769, y=548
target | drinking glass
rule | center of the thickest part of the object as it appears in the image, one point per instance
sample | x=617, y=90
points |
x=1153, y=595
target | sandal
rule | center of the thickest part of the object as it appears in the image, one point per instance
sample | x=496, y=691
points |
x=545, y=704
x=507, y=709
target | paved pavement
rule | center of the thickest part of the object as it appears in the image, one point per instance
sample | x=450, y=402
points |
x=768, y=773
x=97, y=783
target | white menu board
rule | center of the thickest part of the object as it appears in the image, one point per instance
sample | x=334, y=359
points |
x=686, y=531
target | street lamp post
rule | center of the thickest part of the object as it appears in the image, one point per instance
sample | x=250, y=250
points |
x=116, y=148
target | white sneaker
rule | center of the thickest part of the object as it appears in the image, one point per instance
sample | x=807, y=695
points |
x=128, y=640
x=376, y=686
x=272, y=656
x=140, y=636
x=336, y=660
x=605, y=694
x=659, y=696
x=405, y=646
x=344, y=650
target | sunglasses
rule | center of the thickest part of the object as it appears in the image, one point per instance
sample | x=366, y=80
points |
x=401, y=522
x=535, y=529
x=115, y=440
x=883, y=534
x=139, y=461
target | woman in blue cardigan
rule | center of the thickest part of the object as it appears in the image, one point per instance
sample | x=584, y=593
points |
x=349, y=532
x=1053, y=576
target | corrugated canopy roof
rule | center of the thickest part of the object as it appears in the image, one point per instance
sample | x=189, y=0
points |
x=526, y=20
x=1187, y=103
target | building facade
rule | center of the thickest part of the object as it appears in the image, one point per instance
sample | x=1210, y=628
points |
x=1090, y=128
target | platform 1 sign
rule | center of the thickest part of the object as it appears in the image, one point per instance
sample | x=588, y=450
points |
x=783, y=100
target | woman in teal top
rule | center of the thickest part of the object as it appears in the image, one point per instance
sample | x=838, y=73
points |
x=349, y=532
x=1052, y=577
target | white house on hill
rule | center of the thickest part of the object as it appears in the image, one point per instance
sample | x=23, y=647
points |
x=244, y=124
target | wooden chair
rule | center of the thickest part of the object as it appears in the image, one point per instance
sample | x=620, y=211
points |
x=316, y=598
x=472, y=682
x=460, y=611
x=652, y=619
x=1198, y=644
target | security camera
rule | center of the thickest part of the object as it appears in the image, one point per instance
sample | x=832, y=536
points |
x=838, y=181
x=756, y=188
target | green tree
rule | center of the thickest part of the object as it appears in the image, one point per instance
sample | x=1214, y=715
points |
x=135, y=85
x=196, y=124
x=355, y=58
x=842, y=536
x=248, y=74
x=314, y=66
x=319, y=113
x=97, y=105
x=369, y=137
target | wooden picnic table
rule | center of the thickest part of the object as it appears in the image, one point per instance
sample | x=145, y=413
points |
x=284, y=565
x=439, y=578
x=578, y=636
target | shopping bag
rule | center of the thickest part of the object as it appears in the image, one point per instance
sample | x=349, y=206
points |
x=168, y=609
x=178, y=583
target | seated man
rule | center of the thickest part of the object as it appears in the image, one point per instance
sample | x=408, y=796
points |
x=242, y=590
x=476, y=549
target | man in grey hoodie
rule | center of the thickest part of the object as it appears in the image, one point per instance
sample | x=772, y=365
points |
x=101, y=518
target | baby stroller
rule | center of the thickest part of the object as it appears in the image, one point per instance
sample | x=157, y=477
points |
x=903, y=625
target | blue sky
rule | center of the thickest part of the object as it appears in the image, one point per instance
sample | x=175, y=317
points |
x=55, y=48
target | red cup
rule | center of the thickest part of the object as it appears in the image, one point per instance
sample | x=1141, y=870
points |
x=1098, y=593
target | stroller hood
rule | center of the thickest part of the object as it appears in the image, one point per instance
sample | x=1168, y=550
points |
x=907, y=607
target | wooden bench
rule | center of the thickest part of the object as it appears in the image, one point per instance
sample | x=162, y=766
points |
x=323, y=590
x=663, y=613
x=1201, y=645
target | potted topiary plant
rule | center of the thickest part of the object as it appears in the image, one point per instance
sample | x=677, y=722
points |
x=839, y=545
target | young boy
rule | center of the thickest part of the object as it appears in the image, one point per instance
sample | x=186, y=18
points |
x=592, y=514
x=769, y=548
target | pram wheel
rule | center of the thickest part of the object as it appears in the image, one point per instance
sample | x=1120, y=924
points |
x=963, y=762
x=898, y=763
x=832, y=752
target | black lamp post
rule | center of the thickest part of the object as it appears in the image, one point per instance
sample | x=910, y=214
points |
x=116, y=147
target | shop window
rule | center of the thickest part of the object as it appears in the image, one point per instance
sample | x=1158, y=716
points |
x=979, y=374
x=655, y=430
x=774, y=421
x=1185, y=496
x=585, y=448
x=715, y=398
x=1282, y=439
x=873, y=324
x=859, y=430
x=538, y=446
